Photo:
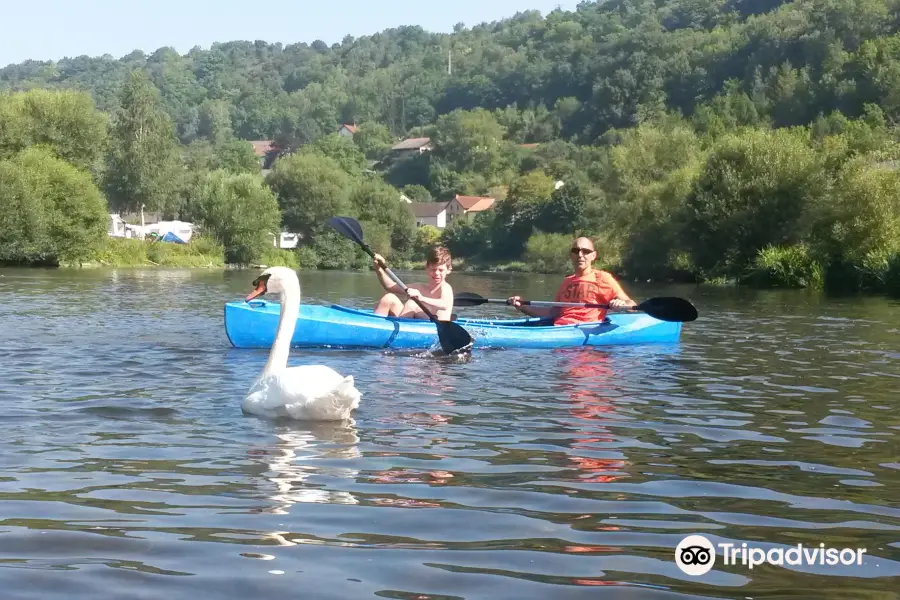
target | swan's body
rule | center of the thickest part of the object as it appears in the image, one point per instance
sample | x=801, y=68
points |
x=309, y=392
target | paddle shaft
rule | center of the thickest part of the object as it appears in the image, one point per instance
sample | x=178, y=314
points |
x=453, y=338
x=546, y=303
x=397, y=280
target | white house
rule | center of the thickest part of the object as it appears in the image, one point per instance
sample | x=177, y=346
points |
x=430, y=213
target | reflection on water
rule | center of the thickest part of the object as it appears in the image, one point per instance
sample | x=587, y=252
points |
x=128, y=469
x=293, y=459
x=587, y=383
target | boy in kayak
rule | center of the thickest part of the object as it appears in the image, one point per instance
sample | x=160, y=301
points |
x=436, y=295
x=586, y=285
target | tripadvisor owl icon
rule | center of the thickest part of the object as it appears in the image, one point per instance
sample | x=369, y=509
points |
x=695, y=555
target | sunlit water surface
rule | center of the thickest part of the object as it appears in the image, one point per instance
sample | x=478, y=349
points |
x=129, y=470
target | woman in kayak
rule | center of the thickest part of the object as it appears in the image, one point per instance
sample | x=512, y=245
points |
x=585, y=285
x=437, y=294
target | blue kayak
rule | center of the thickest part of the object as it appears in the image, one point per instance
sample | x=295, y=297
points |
x=253, y=325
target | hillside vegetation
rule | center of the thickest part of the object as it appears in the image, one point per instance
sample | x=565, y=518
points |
x=697, y=139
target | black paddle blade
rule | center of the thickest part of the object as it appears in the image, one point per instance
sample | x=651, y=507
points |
x=452, y=337
x=347, y=227
x=668, y=308
x=468, y=299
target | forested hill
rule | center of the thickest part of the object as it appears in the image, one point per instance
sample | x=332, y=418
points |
x=578, y=74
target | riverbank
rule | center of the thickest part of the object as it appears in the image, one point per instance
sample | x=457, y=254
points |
x=771, y=270
x=200, y=253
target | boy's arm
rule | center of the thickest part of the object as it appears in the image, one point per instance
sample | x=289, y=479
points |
x=386, y=282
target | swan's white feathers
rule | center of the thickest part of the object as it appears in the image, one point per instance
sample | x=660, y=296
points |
x=307, y=392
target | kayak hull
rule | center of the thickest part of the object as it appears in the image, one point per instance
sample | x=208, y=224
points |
x=254, y=324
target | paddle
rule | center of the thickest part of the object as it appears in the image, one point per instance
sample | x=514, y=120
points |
x=664, y=308
x=452, y=337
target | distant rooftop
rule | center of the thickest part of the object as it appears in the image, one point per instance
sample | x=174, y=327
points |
x=427, y=209
x=475, y=203
x=412, y=143
x=262, y=147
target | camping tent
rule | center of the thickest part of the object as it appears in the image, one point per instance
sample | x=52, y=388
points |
x=171, y=237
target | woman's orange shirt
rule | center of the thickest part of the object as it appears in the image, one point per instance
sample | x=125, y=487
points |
x=599, y=287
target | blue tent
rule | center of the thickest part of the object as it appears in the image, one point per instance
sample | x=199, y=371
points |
x=171, y=237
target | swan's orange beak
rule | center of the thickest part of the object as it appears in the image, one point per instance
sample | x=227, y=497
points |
x=260, y=284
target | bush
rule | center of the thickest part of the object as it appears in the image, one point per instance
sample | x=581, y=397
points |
x=548, y=252
x=334, y=251
x=754, y=191
x=788, y=267
x=307, y=258
x=892, y=277
x=467, y=239
x=859, y=220
x=426, y=237
x=279, y=257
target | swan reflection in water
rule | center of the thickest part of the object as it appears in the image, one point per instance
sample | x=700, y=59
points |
x=291, y=461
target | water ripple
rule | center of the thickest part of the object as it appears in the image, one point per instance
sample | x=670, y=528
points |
x=128, y=466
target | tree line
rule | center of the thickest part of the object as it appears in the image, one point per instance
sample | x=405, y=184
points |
x=695, y=139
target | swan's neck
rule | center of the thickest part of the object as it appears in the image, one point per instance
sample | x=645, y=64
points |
x=287, y=322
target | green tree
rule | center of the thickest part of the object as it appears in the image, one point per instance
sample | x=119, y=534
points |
x=471, y=141
x=50, y=211
x=566, y=211
x=426, y=237
x=239, y=211
x=311, y=188
x=417, y=193
x=65, y=121
x=534, y=186
x=754, y=190
x=143, y=163
x=215, y=121
x=373, y=139
x=379, y=202
x=340, y=149
x=237, y=156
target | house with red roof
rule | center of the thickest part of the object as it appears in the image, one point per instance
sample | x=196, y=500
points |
x=266, y=151
x=468, y=206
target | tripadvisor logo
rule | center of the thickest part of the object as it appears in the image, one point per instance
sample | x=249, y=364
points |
x=695, y=555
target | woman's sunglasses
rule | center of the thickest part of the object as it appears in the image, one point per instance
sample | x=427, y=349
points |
x=584, y=251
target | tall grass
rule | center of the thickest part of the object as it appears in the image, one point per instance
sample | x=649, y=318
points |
x=121, y=252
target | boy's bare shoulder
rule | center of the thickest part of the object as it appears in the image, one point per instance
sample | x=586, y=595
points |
x=446, y=288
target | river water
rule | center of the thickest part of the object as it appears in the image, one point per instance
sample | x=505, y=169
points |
x=127, y=469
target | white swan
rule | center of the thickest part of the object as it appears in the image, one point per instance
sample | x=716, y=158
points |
x=310, y=392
